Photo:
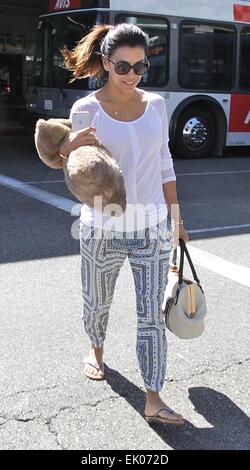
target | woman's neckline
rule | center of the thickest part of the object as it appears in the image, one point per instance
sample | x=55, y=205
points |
x=118, y=120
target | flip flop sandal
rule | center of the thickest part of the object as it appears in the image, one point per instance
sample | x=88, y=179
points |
x=160, y=419
x=93, y=376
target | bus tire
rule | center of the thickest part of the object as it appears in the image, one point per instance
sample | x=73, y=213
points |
x=195, y=133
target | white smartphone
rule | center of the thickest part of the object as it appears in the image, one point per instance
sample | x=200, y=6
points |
x=80, y=120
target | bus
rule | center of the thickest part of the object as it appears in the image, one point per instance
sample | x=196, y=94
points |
x=199, y=54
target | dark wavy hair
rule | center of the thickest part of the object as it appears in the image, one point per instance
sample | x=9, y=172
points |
x=84, y=60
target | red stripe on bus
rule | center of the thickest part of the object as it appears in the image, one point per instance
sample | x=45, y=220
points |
x=239, y=113
x=57, y=5
x=242, y=12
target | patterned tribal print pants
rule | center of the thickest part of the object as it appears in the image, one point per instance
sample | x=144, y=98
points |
x=103, y=253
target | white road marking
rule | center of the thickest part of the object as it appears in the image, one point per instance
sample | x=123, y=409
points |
x=233, y=271
x=215, y=229
x=227, y=269
x=44, y=182
x=213, y=173
x=177, y=174
x=67, y=204
x=52, y=199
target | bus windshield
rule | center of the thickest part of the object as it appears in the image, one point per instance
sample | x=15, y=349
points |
x=57, y=31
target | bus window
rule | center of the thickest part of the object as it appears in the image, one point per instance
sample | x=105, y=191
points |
x=206, y=56
x=245, y=59
x=158, y=31
x=56, y=32
x=36, y=74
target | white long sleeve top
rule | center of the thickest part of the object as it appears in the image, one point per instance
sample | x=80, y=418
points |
x=141, y=150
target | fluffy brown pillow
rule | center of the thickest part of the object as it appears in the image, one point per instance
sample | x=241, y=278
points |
x=89, y=170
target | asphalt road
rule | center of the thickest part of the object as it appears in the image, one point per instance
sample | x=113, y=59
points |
x=45, y=400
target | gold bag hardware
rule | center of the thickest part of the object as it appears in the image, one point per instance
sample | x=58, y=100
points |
x=191, y=301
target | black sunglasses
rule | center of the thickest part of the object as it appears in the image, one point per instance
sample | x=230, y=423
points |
x=122, y=67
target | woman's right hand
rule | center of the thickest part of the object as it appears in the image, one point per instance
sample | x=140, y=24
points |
x=78, y=139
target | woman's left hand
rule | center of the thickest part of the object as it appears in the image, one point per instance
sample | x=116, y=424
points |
x=179, y=232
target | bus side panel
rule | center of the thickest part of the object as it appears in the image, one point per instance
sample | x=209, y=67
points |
x=239, y=120
x=173, y=99
x=223, y=10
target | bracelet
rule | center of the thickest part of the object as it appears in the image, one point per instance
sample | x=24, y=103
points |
x=63, y=156
x=178, y=223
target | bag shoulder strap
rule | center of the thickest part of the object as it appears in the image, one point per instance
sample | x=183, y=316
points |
x=184, y=250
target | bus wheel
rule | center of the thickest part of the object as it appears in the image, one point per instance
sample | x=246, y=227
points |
x=195, y=133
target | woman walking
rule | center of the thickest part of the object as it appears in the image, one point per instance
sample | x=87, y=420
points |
x=132, y=124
